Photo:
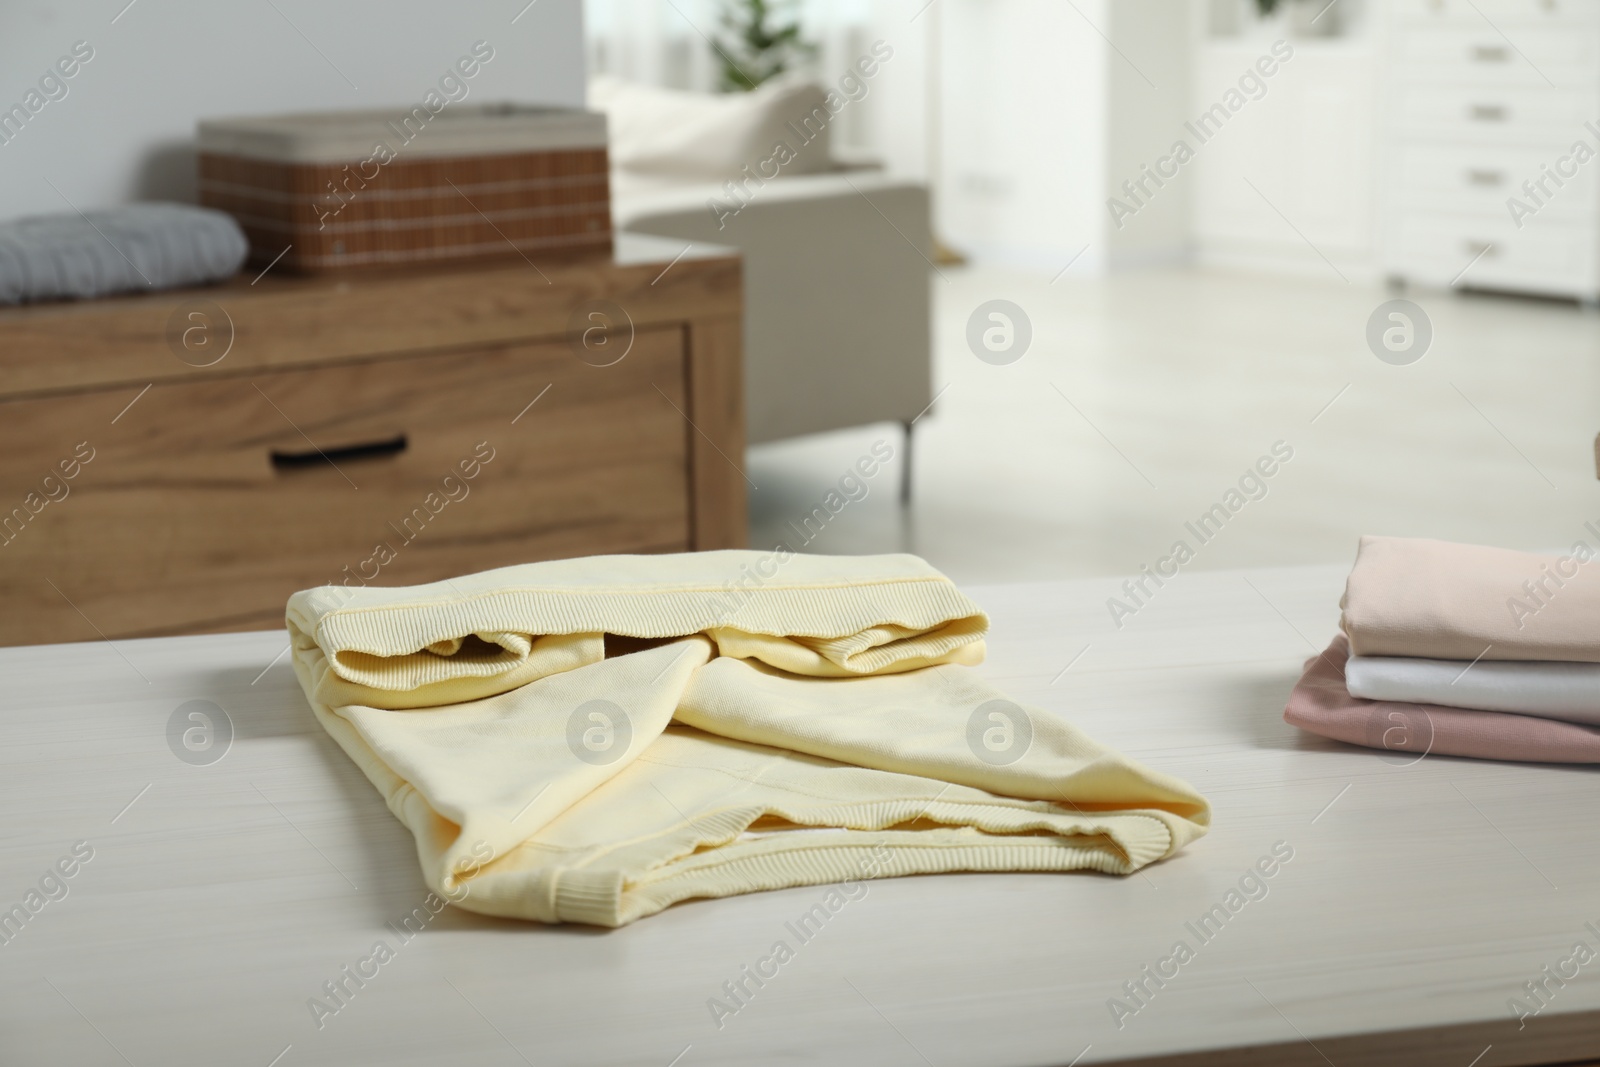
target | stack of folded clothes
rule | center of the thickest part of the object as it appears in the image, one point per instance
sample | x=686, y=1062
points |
x=1462, y=650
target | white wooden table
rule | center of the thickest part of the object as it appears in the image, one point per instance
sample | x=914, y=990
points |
x=1420, y=897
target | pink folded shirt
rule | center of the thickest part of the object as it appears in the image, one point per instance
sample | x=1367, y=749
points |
x=1439, y=600
x=1321, y=704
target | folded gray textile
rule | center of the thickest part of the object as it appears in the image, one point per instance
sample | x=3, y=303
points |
x=138, y=247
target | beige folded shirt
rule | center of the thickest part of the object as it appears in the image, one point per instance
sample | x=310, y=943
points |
x=592, y=740
x=1440, y=600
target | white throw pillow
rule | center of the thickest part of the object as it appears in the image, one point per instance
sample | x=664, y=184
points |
x=713, y=136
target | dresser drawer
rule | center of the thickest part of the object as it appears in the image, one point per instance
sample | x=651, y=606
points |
x=207, y=502
x=1561, y=13
x=1505, y=114
x=1436, y=248
x=1479, y=180
x=1480, y=55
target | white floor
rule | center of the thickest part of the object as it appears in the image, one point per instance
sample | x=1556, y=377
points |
x=1144, y=398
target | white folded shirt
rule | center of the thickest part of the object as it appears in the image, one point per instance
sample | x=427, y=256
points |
x=1548, y=690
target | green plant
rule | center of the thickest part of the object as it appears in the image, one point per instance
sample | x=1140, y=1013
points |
x=1267, y=7
x=761, y=41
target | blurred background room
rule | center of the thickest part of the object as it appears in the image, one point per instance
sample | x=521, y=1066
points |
x=1192, y=211
x=1361, y=152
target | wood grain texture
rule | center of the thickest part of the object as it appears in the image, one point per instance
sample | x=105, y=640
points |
x=716, y=391
x=220, y=899
x=182, y=523
x=282, y=321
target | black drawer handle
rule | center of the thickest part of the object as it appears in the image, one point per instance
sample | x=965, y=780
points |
x=296, y=460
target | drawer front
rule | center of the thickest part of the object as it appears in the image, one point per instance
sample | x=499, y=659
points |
x=206, y=503
x=1505, y=114
x=1481, y=55
x=1479, y=180
x=1542, y=257
x=1558, y=13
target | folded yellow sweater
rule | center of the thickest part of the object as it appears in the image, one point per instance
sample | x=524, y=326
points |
x=592, y=740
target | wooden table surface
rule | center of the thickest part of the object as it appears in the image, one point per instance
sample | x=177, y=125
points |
x=1421, y=896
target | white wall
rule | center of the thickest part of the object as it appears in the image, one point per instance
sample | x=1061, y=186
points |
x=123, y=129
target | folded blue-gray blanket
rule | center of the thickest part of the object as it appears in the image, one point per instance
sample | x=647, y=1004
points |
x=138, y=247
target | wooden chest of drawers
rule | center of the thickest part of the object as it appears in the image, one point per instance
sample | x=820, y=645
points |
x=182, y=462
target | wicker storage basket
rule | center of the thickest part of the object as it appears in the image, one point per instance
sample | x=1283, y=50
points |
x=351, y=190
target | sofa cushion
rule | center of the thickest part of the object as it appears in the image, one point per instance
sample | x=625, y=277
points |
x=686, y=135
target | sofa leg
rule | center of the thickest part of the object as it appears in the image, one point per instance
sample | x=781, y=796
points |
x=905, y=468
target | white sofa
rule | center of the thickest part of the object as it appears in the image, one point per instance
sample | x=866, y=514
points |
x=836, y=295
x=837, y=303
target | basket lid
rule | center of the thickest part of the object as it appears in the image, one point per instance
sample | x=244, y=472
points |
x=453, y=130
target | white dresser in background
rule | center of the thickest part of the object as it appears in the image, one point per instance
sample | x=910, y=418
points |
x=1483, y=96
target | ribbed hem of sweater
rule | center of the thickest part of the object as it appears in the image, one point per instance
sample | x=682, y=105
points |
x=868, y=841
x=601, y=898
